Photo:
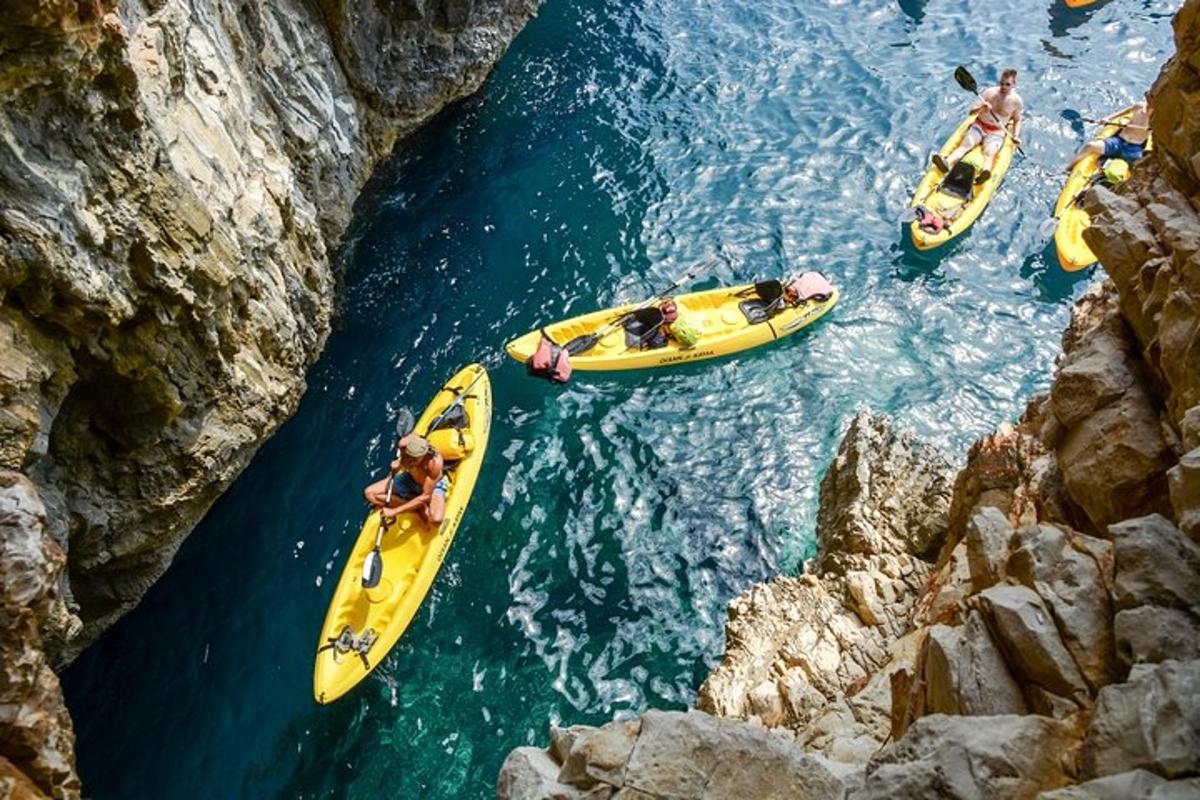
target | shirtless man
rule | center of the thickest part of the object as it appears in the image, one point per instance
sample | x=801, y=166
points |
x=997, y=107
x=418, y=482
x=1130, y=141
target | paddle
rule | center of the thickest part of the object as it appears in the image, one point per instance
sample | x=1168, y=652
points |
x=586, y=341
x=372, y=570
x=967, y=81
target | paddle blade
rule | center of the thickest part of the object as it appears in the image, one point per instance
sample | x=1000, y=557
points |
x=965, y=79
x=372, y=571
x=581, y=344
x=908, y=215
x=1047, y=228
x=405, y=421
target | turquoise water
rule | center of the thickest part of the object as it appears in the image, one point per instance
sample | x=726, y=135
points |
x=617, y=144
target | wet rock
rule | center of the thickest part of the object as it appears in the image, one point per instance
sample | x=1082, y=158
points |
x=1152, y=723
x=995, y=757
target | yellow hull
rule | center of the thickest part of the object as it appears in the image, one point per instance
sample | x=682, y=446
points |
x=1073, y=252
x=412, y=555
x=971, y=211
x=724, y=327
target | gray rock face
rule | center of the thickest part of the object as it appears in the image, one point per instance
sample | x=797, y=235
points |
x=1136, y=785
x=965, y=673
x=1151, y=723
x=1155, y=564
x=690, y=756
x=1183, y=482
x=995, y=757
x=173, y=180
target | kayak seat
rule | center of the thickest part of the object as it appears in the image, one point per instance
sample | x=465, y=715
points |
x=640, y=327
x=765, y=304
x=959, y=181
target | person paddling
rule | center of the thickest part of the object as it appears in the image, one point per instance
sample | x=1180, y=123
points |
x=997, y=107
x=418, y=482
x=1129, y=143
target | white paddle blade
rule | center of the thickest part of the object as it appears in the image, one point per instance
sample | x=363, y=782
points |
x=909, y=214
x=1048, y=227
x=372, y=569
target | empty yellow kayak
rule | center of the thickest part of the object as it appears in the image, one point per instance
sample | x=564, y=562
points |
x=928, y=196
x=1073, y=252
x=362, y=625
x=725, y=318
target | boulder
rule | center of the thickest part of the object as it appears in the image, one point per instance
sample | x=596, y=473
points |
x=1072, y=574
x=1155, y=564
x=1150, y=634
x=529, y=773
x=1152, y=722
x=1136, y=785
x=1183, y=482
x=995, y=757
x=1024, y=629
x=599, y=755
x=964, y=673
x=989, y=537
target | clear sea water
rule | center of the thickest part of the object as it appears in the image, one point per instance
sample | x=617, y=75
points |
x=617, y=143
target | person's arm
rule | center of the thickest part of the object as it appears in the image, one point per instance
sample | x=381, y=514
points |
x=1016, y=125
x=411, y=505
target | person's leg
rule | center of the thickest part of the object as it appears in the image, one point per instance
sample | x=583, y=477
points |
x=1091, y=148
x=991, y=146
x=969, y=140
x=376, y=493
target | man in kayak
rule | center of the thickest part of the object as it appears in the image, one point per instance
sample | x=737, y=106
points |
x=1129, y=143
x=418, y=482
x=997, y=107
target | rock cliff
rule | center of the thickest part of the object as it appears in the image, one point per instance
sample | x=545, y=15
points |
x=174, y=179
x=1033, y=631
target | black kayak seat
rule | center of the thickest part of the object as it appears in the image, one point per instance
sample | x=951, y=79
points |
x=765, y=304
x=959, y=182
x=639, y=325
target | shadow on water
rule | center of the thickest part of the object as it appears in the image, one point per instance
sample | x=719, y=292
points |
x=1063, y=18
x=914, y=9
x=910, y=264
x=1053, y=283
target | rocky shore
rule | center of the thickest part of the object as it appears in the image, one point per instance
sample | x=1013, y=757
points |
x=1027, y=628
x=174, y=180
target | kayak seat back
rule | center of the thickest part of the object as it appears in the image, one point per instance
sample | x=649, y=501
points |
x=640, y=326
x=765, y=304
x=959, y=181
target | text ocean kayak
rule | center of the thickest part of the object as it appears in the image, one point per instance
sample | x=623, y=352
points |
x=723, y=316
x=1073, y=252
x=927, y=195
x=371, y=621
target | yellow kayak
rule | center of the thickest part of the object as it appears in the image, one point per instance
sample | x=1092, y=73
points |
x=723, y=317
x=928, y=196
x=362, y=625
x=1073, y=252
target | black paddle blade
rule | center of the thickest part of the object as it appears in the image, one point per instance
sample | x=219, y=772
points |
x=965, y=79
x=372, y=569
x=404, y=422
x=581, y=344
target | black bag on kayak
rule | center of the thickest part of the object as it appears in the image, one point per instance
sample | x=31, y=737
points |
x=550, y=361
x=642, y=329
x=959, y=181
x=767, y=302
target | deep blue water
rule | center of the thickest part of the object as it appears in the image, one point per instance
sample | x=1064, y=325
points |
x=617, y=144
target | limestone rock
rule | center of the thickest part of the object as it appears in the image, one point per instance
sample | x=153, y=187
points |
x=529, y=773
x=1152, y=723
x=1024, y=629
x=35, y=731
x=599, y=754
x=1155, y=564
x=1072, y=574
x=964, y=673
x=882, y=494
x=1183, y=482
x=995, y=757
x=989, y=537
x=1136, y=785
x=1150, y=634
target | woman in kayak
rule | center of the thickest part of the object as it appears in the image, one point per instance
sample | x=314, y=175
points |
x=997, y=107
x=1129, y=143
x=418, y=482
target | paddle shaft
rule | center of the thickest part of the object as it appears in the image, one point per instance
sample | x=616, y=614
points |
x=967, y=81
x=611, y=326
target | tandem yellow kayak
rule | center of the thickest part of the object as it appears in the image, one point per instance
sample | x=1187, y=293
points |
x=931, y=194
x=728, y=320
x=362, y=625
x=1073, y=252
